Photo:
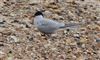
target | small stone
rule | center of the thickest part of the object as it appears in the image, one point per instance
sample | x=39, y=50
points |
x=54, y=49
x=1, y=3
x=15, y=21
x=35, y=1
x=1, y=52
x=54, y=35
x=1, y=45
x=69, y=0
x=50, y=1
x=83, y=45
x=77, y=36
x=97, y=22
x=13, y=39
x=65, y=31
x=48, y=13
x=97, y=39
x=2, y=23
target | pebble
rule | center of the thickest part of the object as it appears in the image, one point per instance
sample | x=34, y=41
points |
x=1, y=52
x=50, y=1
x=35, y=1
x=12, y=39
x=48, y=13
x=97, y=40
x=2, y=23
x=77, y=36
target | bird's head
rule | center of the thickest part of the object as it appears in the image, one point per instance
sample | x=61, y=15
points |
x=38, y=13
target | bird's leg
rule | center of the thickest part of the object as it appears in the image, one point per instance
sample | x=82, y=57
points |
x=46, y=35
x=42, y=34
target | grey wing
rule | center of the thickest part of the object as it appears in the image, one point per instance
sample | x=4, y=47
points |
x=53, y=24
x=47, y=26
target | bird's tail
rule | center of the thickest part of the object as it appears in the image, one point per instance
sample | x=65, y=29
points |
x=71, y=25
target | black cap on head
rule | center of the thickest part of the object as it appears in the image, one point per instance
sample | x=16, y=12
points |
x=38, y=13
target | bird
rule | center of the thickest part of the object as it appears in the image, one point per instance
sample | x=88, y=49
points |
x=47, y=26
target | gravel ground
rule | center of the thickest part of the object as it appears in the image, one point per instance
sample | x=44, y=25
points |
x=20, y=40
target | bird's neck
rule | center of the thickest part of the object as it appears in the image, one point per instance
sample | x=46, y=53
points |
x=40, y=17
